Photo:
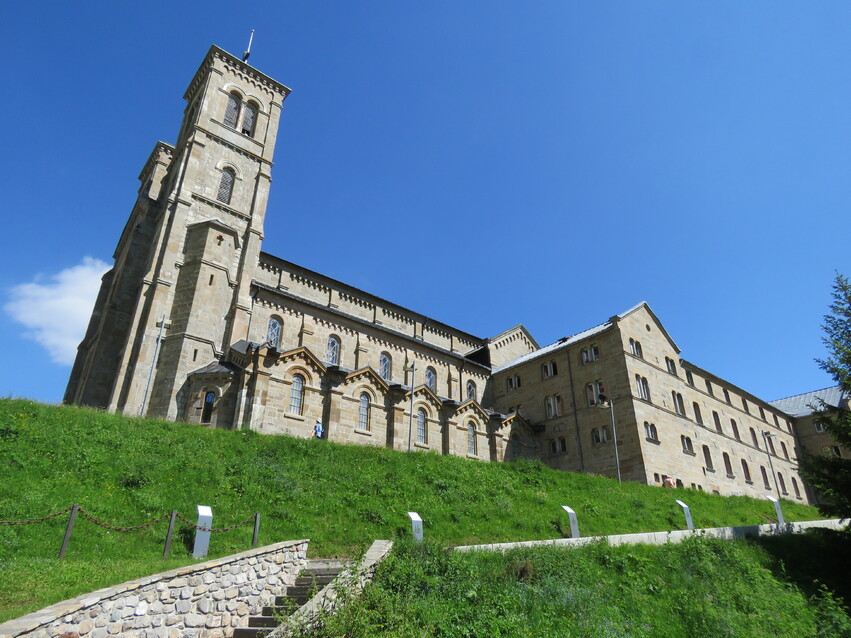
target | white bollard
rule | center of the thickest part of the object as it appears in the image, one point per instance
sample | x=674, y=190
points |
x=781, y=522
x=416, y=526
x=687, y=512
x=574, y=526
x=202, y=538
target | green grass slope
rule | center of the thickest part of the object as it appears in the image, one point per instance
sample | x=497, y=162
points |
x=127, y=471
x=703, y=587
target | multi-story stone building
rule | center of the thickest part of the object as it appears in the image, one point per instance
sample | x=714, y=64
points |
x=194, y=322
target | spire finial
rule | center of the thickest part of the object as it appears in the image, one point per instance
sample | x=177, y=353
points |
x=247, y=52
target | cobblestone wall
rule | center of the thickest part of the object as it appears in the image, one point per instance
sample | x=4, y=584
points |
x=207, y=600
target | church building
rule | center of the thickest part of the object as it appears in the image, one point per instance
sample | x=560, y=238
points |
x=196, y=323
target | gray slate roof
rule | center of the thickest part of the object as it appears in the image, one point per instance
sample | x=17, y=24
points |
x=799, y=405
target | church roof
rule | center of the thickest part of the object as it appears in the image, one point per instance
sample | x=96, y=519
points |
x=800, y=404
x=216, y=367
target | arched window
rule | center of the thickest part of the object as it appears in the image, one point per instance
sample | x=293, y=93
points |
x=273, y=332
x=209, y=402
x=471, y=438
x=782, y=483
x=765, y=477
x=431, y=379
x=795, y=487
x=296, y=394
x=422, y=435
x=249, y=118
x=226, y=185
x=707, y=458
x=385, y=366
x=241, y=116
x=727, y=465
x=232, y=112
x=471, y=391
x=746, y=471
x=735, y=429
x=785, y=451
x=332, y=351
x=363, y=412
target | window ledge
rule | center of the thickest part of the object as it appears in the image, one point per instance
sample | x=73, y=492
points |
x=731, y=475
x=689, y=452
x=710, y=469
x=295, y=417
x=364, y=432
x=423, y=446
x=472, y=456
x=749, y=482
x=653, y=441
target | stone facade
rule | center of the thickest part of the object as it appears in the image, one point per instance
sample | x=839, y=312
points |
x=196, y=323
x=207, y=600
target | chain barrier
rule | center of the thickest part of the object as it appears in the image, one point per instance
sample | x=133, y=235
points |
x=133, y=528
x=37, y=520
x=212, y=529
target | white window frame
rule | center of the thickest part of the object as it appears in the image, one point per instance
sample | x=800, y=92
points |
x=332, y=351
x=364, y=408
x=422, y=427
x=297, y=395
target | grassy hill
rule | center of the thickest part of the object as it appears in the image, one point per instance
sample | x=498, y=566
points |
x=127, y=471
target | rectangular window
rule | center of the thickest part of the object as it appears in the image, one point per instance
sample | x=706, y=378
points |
x=553, y=405
x=697, y=416
x=745, y=405
x=650, y=431
x=642, y=387
x=589, y=354
x=549, y=369
x=727, y=396
x=762, y=414
x=562, y=444
x=679, y=406
x=818, y=426
x=600, y=435
x=717, y=420
x=689, y=378
x=635, y=348
x=709, y=387
x=593, y=391
x=512, y=382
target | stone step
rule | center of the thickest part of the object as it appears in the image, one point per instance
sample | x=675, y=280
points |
x=284, y=601
x=250, y=632
x=263, y=621
x=319, y=581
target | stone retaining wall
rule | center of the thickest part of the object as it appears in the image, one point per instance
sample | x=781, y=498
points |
x=675, y=536
x=206, y=600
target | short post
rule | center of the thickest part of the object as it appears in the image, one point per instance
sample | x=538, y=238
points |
x=687, y=512
x=202, y=536
x=169, y=534
x=574, y=526
x=256, y=536
x=416, y=526
x=68, y=529
x=781, y=522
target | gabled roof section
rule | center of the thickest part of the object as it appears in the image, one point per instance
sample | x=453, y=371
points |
x=370, y=374
x=216, y=368
x=518, y=328
x=799, y=405
x=473, y=406
x=564, y=342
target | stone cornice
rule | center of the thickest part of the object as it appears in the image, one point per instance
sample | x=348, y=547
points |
x=222, y=207
x=275, y=87
x=161, y=148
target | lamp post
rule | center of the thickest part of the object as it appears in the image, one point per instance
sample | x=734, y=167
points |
x=765, y=435
x=610, y=403
x=413, y=370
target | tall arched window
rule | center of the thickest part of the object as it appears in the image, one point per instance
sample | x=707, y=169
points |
x=727, y=465
x=296, y=394
x=471, y=391
x=273, y=332
x=431, y=379
x=746, y=471
x=232, y=112
x=385, y=366
x=422, y=434
x=782, y=483
x=249, y=118
x=765, y=477
x=332, y=351
x=226, y=185
x=471, y=438
x=363, y=412
x=795, y=487
x=207, y=412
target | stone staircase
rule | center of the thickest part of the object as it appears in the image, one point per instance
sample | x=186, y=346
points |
x=313, y=577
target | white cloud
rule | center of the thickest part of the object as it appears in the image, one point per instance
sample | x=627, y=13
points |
x=56, y=309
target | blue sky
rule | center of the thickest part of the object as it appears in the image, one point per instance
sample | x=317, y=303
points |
x=484, y=163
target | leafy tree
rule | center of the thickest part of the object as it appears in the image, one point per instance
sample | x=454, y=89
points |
x=831, y=475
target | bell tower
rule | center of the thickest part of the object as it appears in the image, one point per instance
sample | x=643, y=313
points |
x=178, y=294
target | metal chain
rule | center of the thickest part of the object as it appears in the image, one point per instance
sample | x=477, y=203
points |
x=211, y=529
x=37, y=520
x=133, y=528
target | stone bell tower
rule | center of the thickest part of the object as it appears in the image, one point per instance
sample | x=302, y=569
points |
x=178, y=294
